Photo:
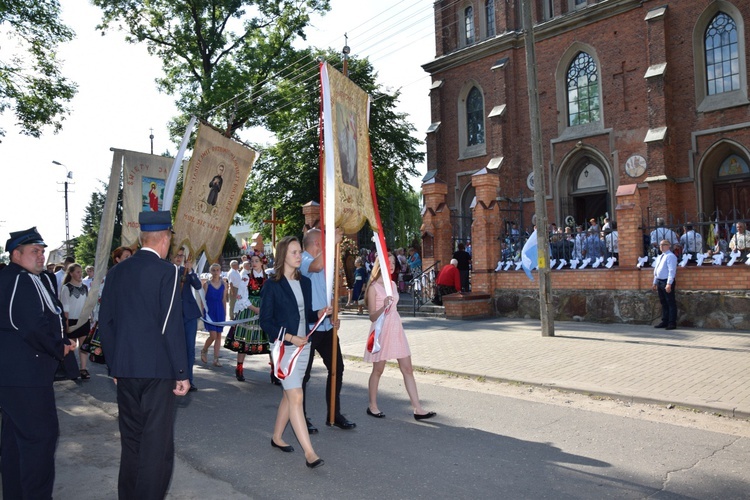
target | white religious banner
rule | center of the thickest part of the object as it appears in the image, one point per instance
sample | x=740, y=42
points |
x=143, y=181
x=212, y=189
x=347, y=183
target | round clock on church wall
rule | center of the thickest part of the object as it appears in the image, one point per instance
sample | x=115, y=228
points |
x=635, y=166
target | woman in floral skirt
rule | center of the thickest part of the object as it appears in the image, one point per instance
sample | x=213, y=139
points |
x=249, y=338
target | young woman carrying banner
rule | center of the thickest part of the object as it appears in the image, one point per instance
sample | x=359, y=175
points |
x=393, y=343
x=287, y=304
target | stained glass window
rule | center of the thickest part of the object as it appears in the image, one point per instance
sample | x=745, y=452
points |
x=475, y=117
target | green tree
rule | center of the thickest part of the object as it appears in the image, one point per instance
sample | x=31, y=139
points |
x=4, y=256
x=31, y=83
x=213, y=53
x=286, y=174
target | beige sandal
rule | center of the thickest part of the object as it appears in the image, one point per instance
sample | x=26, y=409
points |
x=204, y=356
x=216, y=362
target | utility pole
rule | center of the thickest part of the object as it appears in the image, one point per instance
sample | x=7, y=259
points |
x=346, y=50
x=68, y=175
x=152, y=140
x=545, y=281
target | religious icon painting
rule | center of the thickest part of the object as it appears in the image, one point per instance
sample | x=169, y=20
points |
x=153, y=193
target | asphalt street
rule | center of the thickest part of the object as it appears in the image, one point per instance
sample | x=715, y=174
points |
x=483, y=443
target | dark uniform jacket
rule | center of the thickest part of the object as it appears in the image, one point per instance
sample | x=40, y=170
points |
x=140, y=319
x=280, y=307
x=32, y=341
x=190, y=309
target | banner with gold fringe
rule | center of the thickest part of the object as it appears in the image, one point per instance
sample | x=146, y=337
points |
x=143, y=181
x=347, y=183
x=212, y=188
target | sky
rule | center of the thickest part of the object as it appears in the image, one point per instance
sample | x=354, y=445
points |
x=117, y=105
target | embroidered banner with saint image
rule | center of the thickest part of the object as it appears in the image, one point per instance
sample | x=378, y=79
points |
x=212, y=189
x=143, y=184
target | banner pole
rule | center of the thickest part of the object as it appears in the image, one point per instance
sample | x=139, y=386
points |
x=335, y=336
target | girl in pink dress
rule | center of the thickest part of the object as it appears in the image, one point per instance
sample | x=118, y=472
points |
x=393, y=343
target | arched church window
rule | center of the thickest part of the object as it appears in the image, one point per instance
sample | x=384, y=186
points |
x=590, y=177
x=722, y=55
x=475, y=117
x=489, y=14
x=582, y=85
x=733, y=165
x=469, y=24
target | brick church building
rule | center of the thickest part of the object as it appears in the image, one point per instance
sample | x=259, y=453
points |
x=644, y=111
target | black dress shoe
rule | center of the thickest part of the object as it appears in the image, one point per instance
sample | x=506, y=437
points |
x=379, y=414
x=670, y=327
x=192, y=388
x=342, y=423
x=311, y=429
x=425, y=416
x=286, y=449
x=315, y=464
x=661, y=325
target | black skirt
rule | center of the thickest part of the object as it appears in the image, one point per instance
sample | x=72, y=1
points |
x=80, y=331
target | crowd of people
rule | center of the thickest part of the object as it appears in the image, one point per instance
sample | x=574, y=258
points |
x=284, y=302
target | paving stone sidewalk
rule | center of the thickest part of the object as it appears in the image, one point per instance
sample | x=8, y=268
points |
x=700, y=369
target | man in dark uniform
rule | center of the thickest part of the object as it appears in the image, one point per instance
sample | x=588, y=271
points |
x=143, y=338
x=33, y=344
x=190, y=310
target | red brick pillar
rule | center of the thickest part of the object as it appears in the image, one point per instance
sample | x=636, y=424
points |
x=630, y=235
x=311, y=211
x=436, y=224
x=485, y=231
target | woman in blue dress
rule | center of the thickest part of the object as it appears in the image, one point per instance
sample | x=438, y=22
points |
x=216, y=302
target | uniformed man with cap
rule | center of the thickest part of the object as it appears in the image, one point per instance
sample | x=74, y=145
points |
x=143, y=339
x=33, y=344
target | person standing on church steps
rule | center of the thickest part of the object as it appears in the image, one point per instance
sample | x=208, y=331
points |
x=664, y=283
x=464, y=265
x=33, y=345
x=143, y=338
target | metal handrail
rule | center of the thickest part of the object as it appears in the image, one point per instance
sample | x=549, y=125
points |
x=423, y=287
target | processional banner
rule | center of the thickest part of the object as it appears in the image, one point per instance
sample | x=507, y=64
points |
x=347, y=183
x=212, y=189
x=144, y=177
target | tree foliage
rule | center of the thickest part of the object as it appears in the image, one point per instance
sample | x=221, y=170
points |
x=212, y=52
x=31, y=83
x=85, y=250
x=286, y=174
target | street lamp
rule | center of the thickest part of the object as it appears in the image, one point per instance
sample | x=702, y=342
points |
x=68, y=176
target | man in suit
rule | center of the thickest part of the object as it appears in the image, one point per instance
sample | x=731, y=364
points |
x=190, y=310
x=664, y=275
x=321, y=341
x=33, y=344
x=143, y=338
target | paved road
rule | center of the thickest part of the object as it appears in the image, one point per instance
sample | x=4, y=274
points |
x=483, y=444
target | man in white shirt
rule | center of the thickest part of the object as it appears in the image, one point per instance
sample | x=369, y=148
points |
x=235, y=281
x=664, y=276
x=741, y=240
x=662, y=233
x=241, y=301
x=61, y=273
x=691, y=241
x=612, y=239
